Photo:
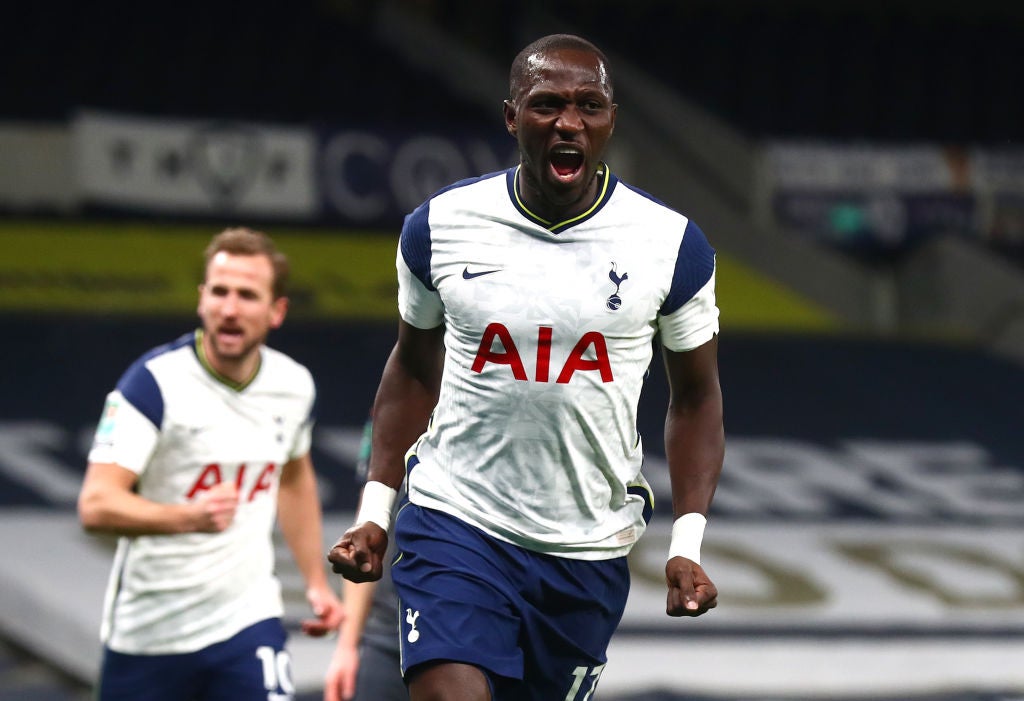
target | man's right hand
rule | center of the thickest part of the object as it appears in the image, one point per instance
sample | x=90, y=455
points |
x=215, y=508
x=358, y=555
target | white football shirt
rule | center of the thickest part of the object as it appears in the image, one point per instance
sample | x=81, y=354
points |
x=549, y=336
x=183, y=430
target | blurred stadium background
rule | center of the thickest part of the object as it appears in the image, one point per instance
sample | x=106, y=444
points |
x=858, y=166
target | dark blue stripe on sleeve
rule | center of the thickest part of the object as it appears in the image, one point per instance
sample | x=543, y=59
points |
x=139, y=387
x=695, y=264
x=415, y=243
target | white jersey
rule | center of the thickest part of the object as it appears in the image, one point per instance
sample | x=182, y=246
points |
x=549, y=336
x=183, y=429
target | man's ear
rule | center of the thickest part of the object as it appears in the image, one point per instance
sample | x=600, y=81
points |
x=278, y=311
x=510, y=117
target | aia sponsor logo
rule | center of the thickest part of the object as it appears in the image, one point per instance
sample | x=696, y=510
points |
x=507, y=353
x=213, y=474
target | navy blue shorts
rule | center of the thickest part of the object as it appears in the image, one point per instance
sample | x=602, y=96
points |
x=253, y=665
x=536, y=624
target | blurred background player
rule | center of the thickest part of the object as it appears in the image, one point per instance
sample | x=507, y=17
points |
x=546, y=285
x=366, y=664
x=203, y=443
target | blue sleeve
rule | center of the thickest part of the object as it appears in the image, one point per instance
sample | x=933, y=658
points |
x=695, y=264
x=139, y=388
x=415, y=244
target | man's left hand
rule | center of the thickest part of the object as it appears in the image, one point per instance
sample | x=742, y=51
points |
x=690, y=591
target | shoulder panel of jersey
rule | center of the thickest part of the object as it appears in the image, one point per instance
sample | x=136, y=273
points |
x=695, y=262
x=284, y=372
x=695, y=265
x=138, y=386
x=414, y=244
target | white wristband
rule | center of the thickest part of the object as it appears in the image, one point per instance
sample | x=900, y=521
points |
x=687, y=534
x=376, y=504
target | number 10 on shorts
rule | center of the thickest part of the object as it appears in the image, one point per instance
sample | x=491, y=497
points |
x=277, y=671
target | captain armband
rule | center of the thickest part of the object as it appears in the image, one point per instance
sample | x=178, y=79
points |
x=376, y=503
x=687, y=534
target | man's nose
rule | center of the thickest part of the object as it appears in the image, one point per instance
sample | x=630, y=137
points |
x=230, y=305
x=569, y=120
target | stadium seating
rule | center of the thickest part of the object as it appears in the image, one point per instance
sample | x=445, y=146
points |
x=294, y=63
x=893, y=71
x=838, y=70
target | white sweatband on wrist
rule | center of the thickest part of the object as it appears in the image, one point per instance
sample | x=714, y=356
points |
x=687, y=534
x=375, y=504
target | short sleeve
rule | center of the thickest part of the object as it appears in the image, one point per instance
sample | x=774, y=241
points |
x=303, y=441
x=125, y=436
x=689, y=316
x=694, y=323
x=419, y=303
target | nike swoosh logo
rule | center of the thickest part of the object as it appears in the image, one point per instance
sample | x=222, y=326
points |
x=466, y=275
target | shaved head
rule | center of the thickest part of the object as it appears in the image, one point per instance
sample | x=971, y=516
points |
x=526, y=62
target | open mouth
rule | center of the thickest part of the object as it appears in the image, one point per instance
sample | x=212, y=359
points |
x=566, y=162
